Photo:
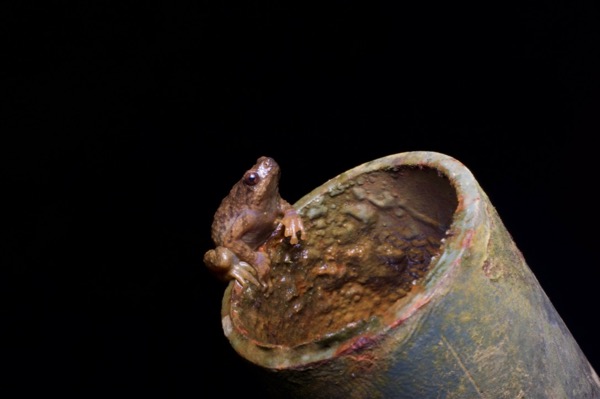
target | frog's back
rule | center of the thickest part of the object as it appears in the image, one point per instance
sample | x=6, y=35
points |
x=251, y=207
x=223, y=221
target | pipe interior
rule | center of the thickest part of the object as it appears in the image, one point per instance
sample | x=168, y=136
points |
x=370, y=241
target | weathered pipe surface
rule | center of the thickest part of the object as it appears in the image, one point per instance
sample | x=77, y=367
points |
x=407, y=286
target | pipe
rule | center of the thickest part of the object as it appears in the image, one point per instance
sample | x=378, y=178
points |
x=407, y=286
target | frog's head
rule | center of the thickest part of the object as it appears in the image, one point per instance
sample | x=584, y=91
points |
x=262, y=180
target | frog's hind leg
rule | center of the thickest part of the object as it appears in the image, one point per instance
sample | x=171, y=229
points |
x=227, y=266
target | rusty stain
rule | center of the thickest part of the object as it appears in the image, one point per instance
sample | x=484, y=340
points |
x=362, y=363
x=468, y=238
x=492, y=270
x=376, y=247
x=355, y=344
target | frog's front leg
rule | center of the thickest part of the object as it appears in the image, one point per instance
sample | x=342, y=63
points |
x=227, y=266
x=292, y=224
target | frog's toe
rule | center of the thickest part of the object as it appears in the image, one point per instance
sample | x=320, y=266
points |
x=243, y=273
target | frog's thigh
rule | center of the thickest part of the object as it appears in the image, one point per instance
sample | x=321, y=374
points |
x=219, y=259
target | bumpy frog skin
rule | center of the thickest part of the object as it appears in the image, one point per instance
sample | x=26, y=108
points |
x=246, y=218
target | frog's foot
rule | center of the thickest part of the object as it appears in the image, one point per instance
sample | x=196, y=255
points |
x=293, y=225
x=227, y=266
x=243, y=273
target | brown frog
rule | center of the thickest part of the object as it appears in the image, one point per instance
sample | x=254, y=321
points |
x=246, y=218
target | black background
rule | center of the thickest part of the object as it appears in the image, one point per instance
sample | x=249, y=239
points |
x=126, y=124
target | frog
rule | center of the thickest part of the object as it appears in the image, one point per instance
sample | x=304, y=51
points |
x=246, y=219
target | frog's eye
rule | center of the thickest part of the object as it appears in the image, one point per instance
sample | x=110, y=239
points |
x=251, y=179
